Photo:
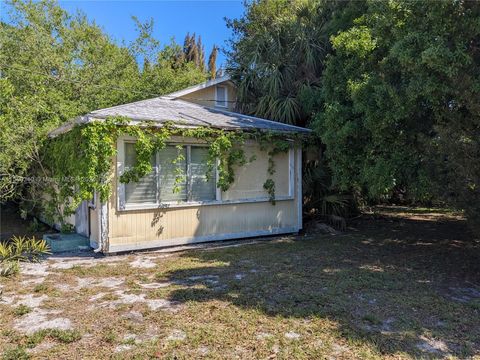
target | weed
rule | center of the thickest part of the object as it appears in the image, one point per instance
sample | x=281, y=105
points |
x=17, y=353
x=110, y=336
x=22, y=310
x=63, y=336
x=40, y=288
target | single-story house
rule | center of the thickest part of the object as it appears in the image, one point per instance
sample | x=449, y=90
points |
x=148, y=214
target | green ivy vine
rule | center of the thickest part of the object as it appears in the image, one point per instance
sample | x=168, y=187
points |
x=80, y=161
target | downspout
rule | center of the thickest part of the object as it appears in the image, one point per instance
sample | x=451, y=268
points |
x=102, y=229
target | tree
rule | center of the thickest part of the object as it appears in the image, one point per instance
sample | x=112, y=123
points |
x=56, y=66
x=212, y=63
x=194, y=51
x=201, y=54
x=278, y=53
x=401, y=111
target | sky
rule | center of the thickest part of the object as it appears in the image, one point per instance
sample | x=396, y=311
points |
x=172, y=19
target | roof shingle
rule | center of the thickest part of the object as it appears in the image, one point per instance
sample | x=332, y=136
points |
x=180, y=112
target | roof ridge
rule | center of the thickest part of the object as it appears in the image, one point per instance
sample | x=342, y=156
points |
x=238, y=114
x=193, y=88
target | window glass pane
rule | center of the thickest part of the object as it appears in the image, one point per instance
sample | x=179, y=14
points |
x=221, y=96
x=168, y=172
x=143, y=191
x=201, y=188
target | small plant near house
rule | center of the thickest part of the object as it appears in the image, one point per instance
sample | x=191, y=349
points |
x=20, y=248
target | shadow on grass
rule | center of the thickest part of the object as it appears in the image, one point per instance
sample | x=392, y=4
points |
x=404, y=285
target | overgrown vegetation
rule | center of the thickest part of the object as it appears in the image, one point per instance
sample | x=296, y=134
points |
x=79, y=162
x=18, y=249
x=391, y=89
x=56, y=66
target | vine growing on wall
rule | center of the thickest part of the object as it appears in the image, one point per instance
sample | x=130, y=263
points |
x=80, y=161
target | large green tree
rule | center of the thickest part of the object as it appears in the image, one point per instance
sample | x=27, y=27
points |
x=55, y=66
x=401, y=110
x=278, y=53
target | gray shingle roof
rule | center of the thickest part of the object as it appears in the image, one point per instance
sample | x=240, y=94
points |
x=162, y=109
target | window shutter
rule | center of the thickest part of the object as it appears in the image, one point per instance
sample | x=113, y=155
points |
x=168, y=171
x=145, y=190
x=202, y=189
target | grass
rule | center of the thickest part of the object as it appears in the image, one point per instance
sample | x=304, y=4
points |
x=62, y=336
x=397, y=286
x=22, y=310
x=17, y=353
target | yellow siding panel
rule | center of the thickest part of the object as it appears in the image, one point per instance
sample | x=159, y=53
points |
x=133, y=229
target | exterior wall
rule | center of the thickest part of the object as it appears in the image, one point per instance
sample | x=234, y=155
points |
x=206, y=97
x=251, y=176
x=226, y=219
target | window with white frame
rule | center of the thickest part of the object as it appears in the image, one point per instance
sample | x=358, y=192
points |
x=221, y=96
x=179, y=174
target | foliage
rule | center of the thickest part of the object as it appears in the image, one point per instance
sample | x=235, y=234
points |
x=22, y=309
x=9, y=268
x=212, y=63
x=21, y=248
x=277, y=57
x=79, y=161
x=18, y=353
x=56, y=66
x=63, y=336
x=321, y=198
x=401, y=108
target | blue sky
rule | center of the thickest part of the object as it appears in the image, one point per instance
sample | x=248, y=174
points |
x=172, y=18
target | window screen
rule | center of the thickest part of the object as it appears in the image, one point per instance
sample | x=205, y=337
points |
x=186, y=163
x=202, y=186
x=145, y=190
x=221, y=96
x=172, y=166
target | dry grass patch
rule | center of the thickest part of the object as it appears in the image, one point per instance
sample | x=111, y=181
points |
x=397, y=287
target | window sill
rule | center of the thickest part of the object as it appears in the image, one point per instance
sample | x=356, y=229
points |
x=176, y=205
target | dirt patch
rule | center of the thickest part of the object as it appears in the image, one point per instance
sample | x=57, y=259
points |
x=40, y=319
x=177, y=335
x=143, y=263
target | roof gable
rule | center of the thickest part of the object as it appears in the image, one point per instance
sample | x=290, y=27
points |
x=192, y=89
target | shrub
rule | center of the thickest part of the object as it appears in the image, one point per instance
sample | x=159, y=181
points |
x=20, y=248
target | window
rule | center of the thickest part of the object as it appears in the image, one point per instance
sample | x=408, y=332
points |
x=221, y=96
x=186, y=163
x=145, y=190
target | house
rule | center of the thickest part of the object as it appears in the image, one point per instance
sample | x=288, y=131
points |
x=149, y=214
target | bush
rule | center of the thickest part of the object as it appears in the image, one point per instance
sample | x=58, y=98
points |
x=20, y=248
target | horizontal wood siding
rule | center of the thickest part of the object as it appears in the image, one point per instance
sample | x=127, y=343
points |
x=206, y=97
x=135, y=229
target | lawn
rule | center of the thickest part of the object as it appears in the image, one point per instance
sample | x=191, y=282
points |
x=398, y=284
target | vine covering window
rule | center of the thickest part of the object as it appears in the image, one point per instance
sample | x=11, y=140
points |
x=178, y=175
